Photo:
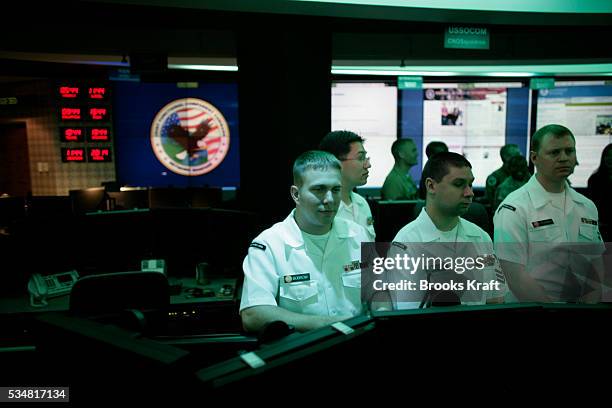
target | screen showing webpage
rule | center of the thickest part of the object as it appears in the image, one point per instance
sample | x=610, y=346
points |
x=370, y=110
x=471, y=122
x=587, y=111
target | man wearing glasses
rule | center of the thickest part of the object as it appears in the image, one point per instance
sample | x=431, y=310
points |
x=348, y=147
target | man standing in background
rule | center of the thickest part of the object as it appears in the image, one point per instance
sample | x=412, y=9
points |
x=399, y=185
x=498, y=176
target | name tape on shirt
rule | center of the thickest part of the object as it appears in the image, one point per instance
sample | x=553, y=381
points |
x=588, y=221
x=542, y=223
x=257, y=245
x=296, y=278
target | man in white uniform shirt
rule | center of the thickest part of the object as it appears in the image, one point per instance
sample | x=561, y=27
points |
x=439, y=231
x=348, y=148
x=306, y=270
x=541, y=229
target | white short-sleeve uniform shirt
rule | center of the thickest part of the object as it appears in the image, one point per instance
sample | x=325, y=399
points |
x=359, y=212
x=283, y=269
x=534, y=227
x=474, y=242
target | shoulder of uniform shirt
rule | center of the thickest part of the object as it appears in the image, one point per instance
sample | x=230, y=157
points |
x=474, y=230
x=359, y=199
x=344, y=225
x=586, y=200
x=406, y=233
x=278, y=231
x=514, y=200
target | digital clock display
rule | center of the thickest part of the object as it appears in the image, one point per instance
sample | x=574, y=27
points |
x=98, y=134
x=99, y=154
x=73, y=155
x=98, y=113
x=72, y=134
x=69, y=92
x=97, y=93
x=70, y=113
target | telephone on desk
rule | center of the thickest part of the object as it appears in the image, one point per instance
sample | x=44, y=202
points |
x=43, y=287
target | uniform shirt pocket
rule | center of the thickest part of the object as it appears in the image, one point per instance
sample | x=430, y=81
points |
x=548, y=233
x=352, y=279
x=588, y=233
x=299, y=292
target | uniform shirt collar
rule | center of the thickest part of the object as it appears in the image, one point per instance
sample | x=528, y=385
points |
x=295, y=239
x=429, y=230
x=360, y=203
x=431, y=233
x=539, y=196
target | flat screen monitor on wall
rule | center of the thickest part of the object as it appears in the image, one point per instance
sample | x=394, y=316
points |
x=473, y=119
x=181, y=137
x=370, y=110
x=586, y=109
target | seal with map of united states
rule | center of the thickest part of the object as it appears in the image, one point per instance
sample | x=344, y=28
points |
x=190, y=136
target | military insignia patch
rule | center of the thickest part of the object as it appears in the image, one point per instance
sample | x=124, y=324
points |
x=399, y=245
x=507, y=206
x=257, y=245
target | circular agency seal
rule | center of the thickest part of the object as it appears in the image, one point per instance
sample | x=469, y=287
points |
x=189, y=136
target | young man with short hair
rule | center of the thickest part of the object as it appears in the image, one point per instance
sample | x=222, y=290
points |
x=348, y=147
x=448, y=179
x=305, y=270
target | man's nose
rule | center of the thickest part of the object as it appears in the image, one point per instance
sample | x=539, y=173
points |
x=468, y=192
x=328, y=197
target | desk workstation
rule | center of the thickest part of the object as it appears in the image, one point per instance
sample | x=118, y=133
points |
x=82, y=351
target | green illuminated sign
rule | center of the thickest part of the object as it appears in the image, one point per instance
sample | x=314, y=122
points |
x=542, y=83
x=474, y=38
x=409, y=82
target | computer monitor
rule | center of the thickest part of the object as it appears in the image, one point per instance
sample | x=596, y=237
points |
x=88, y=200
x=391, y=216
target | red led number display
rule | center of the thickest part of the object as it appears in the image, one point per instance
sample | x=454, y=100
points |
x=72, y=134
x=97, y=93
x=99, y=154
x=99, y=114
x=71, y=113
x=69, y=92
x=73, y=155
x=98, y=134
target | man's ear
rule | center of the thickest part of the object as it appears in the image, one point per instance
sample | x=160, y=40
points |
x=430, y=185
x=295, y=193
x=532, y=156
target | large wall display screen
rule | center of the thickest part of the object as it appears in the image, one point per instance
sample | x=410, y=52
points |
x=370, y=110
x=587, y=111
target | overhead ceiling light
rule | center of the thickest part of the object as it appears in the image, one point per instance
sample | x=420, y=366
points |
x=200, y=67
x=477, y=70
